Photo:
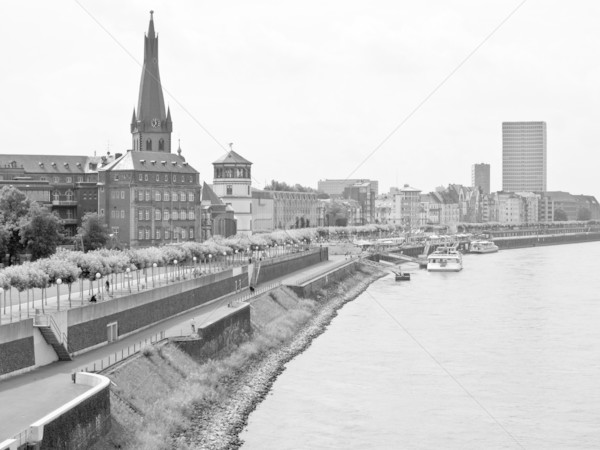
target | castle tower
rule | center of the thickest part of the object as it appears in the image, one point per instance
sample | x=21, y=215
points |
x=151, y=126
x=232, y=183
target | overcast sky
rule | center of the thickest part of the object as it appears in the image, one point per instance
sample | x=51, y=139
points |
x=307, y=90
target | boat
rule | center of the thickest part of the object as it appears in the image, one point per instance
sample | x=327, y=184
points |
x=483, y=247
x=402, y=276
x=445, y=259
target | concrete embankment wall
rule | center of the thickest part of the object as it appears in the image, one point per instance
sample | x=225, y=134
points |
x=534, y=241
x=16, y=346
x=87, y=326
x=271, y=269
x=310, y=287
x=218, y=336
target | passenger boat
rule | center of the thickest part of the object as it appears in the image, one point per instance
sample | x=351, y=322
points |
x=483, y=247
x=402, y=276
x=445, y=259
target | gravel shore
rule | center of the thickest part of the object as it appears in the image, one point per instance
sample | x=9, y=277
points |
x=219, y=425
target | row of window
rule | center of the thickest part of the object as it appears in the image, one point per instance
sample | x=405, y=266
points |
x=57, y=180
x=183, y=214
x=229, y=172
x=159, y=177
x=180, y=233
x=166, y=196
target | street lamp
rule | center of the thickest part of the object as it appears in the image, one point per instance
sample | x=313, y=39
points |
x=209, y=259
x=224, y=260
x=153, y=267
x=58, y=283
x=234, y=256
x=127, y=271
x=195, y=270
x=175, y=269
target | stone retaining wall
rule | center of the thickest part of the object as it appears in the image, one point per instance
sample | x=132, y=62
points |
x=269, y=270
x=308, y=288
x=16, y=346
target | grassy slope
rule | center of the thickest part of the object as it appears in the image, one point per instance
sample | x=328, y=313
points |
x=164, y=399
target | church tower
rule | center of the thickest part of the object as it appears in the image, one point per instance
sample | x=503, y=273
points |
x=151, y=127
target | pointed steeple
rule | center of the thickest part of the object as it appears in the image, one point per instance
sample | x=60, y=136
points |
x=151, y=122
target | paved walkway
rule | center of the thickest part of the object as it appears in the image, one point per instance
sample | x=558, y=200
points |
x=34, y=394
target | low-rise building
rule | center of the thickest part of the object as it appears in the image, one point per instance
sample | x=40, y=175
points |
x=282, y=210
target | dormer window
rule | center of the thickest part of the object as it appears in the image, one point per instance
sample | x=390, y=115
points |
x=153, y=162
x=174, y=163
x=53, y=164
x=78, y=164
x=66, y=165
x=164, y=163
x=41, y=164
x=142, y=161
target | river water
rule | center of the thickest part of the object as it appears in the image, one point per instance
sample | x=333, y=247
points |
x=503, y=355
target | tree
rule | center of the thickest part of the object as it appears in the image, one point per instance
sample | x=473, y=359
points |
x=584, y=214
x=14, y=206
x=41, y=232
x=560, y=215
x=92, y=232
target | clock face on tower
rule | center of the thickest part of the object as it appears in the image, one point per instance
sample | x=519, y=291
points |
x=155, y=123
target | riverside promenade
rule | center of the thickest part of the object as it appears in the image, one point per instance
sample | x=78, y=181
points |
x=30, y=396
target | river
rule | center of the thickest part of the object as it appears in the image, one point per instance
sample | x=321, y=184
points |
x=503, y=355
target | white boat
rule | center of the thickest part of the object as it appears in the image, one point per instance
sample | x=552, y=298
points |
x=483, y=247
x=445, y=259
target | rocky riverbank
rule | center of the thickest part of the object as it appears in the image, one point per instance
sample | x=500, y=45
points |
x=218, y=426
x=165, y=399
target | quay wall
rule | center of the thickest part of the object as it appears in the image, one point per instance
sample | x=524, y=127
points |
x=310, y=287
x=16, y=346
x=219, y=336
x=271, y=269
x=87, y=326
x=552, y=239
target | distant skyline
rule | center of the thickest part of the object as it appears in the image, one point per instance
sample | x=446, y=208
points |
x=307, y=90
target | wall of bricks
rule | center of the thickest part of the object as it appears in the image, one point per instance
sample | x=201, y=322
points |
x=16, y=347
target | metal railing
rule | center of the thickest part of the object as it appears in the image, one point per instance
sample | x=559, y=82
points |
x=46, y=320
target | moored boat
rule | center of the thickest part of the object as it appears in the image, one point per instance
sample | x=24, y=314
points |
x=483, y=247
x=445, y=259
x=402, y=276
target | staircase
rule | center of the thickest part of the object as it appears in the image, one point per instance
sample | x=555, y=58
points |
x=53, y=336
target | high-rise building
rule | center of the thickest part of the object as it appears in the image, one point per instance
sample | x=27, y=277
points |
x=524, y=156
x=480, y=177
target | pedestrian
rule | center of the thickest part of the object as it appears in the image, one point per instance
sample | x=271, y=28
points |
x=107, y=287
x=93, y=299
x=193, y=326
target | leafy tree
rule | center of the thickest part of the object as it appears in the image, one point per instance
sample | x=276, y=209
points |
x=14, y=206
x=41, y=232
x=92, y=232
x=560, y=215
x=584, y=214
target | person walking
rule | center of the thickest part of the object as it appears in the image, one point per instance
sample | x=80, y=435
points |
x=193, y=326
x=107, y=287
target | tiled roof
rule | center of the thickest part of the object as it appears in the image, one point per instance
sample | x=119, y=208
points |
x=150, y=162
x=233, y=158
x=208, y=195
x=51, y=164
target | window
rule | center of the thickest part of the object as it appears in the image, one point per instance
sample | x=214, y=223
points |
x=167, y=196
x=79, y=179
x=140, y=234
x=112, y=214
x=191, y=196
x=141, y=195
x=175, y=214
x=147, y=233
x=175, y=199
x=122, y=195
x=166, y=177
x=146, y=177
x=167, y=234
x=183, y=214
x=190, y=178
x=147, y=196
x=69, y=195
x=157, y=177
x=102, y=212
x=166, y=215
x=140, y=214
x=182, y=197
x=122, y=214
x=191, y=233
x=174, y=177
x=157, y=196
x=55, y=196
x=41, y=179
x=69, y=179
x=140, y=177
x=148, y=144
x=56, y=179
x=147, y=214
x=157, y=214
x=229, y=189
x=161, y=145
x=191, y=215
x=183, y=233
x=158, y=233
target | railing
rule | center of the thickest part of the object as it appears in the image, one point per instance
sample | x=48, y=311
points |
x=48, y=321
x=124, y=353
x=320, y=275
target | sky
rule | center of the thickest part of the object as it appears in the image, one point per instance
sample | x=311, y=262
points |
x=311, y=90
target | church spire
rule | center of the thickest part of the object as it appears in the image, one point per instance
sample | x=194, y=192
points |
x=151, y=123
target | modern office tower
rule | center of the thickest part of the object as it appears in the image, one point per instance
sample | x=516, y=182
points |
x=524, y=156
x=480, y=177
